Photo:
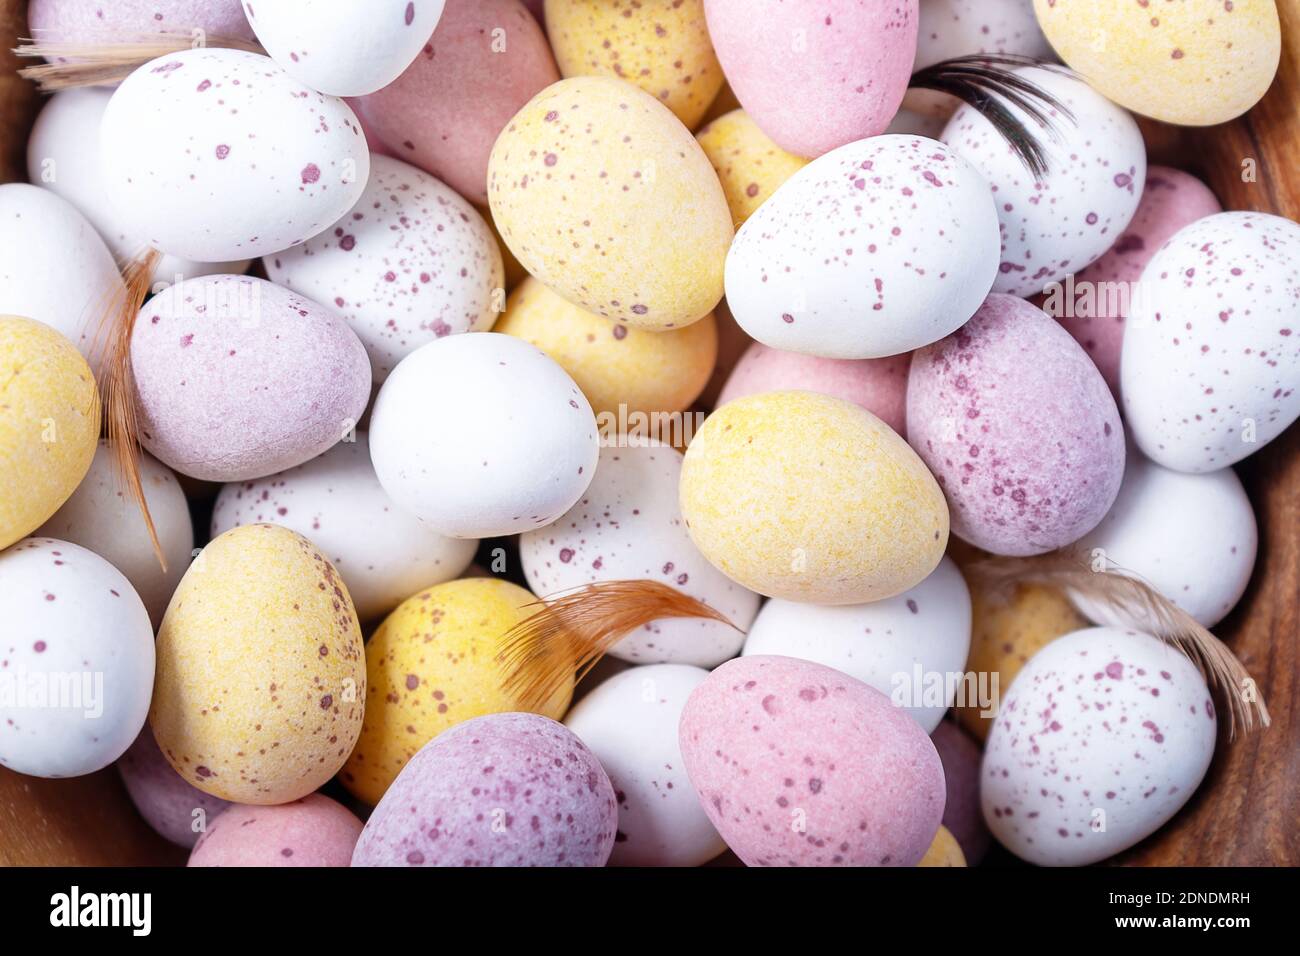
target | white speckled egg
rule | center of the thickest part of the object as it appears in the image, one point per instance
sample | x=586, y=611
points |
x=1096, y=168
x=628, y=526
x=1210, y=366
x=409, y=263
x=906, y=646
x=630, y=723
x=1101, y=738
x=876, y=248
x=217, y=154
x=483, y=435
x=76, y=660
x=383, y=553
x=342, y=47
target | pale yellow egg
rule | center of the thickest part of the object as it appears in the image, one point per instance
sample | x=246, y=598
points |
x=944, y=851
x=749, y=165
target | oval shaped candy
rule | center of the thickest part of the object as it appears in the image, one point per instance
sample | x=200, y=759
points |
x=175, y=810
x=313, y=831
x=749, y=165
x=69, y=21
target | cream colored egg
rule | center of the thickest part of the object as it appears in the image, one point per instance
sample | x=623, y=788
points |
x=749, y=165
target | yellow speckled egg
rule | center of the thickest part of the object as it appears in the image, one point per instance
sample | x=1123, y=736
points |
x=49, y=424
x=749, y=165
x=613, y=364
x=432, y=664
x=604, y=195
x=944, y=851
x=662, y=46
x=1194, y=62
x=1005, y=633
x=810, y=498
x=261, y=677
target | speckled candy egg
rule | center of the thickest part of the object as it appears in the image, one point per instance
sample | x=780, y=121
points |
x=877, y=248
x=217, y=154
x=71, y=21
x=411, y=262
x=175, y=810
x=1192, y=63
x=484, y=62
x=908, y=647
x=613, y=363
x=514, y=458
x=603, y=195
x=236, y=377
x=628, y=526
x=878, y=385
x=103, y=517
x=501, y=790
x=433, y=664
x=834, y=774
x=818, y=75
x=1104, y=735
x=342, y=47
x=630, y=723
x=49, y=423
x=1191, y=537
x=76, y=660
x=261, y=671
x=1096, y=167
x=53, y=265
x=1104, y=292
x=960, y=756
x=944, y=851
x=810, y=498
x=1212, y=348
x=749, y=165
x=1019, y=428
x=313, y=831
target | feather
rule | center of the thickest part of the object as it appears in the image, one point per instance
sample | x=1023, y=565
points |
x=107, y=64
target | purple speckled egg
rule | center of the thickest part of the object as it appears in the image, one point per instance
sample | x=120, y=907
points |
x=960, y=756
x=797, y=764
x=312, y=831
x=502, y=790
x=76, y=21
x=1103, y=292
x=878, y=385
x=815, y=76
x=445, y=111
x=176, y=810
x=1100, y=739
x=237, y=378
x=1019, y=428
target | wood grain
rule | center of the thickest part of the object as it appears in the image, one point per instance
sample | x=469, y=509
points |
x=19, y=100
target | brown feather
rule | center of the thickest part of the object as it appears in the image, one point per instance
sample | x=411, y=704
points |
x=1142, y=608
x=574, y=629
x=105, y=64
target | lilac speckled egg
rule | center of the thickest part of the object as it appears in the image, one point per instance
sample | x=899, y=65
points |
x=176, y=810
x=486, y=59
x=236, y=378
x=409, y=263
x=960, y=756
x=1096, y=167
x=1019, y=428
x=797, y=764
x=877, y=248
x=217, y=154
x=1211, y=360
x=312, y=831
x=75, y=21
x=816, y=75
x=878, y=385
x=1103, y=293
x=502, y=790
x=1101, y=738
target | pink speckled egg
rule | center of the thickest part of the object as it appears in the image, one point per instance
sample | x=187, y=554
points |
x=816, y=75
x=176, y=810
x=1101, y=738
x=75, y=21
x=1103, y=292
x=797, y=764
x=878, y=385
x=409, y=263
x=960, y=756
x=236, y=378
x=1019, y=428
x=486, y=59
x=507, y=789
x=312, y=831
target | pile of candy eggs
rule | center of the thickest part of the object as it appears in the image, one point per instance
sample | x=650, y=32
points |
x=367, y=377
